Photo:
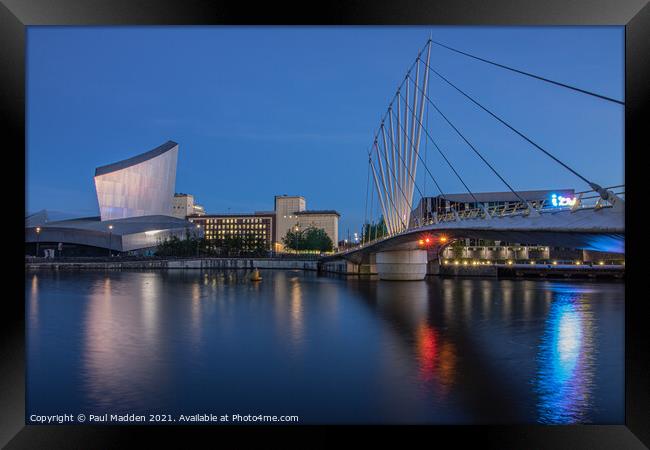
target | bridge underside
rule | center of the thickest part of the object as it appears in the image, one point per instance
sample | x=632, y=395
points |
x=600, y=230
x=604, y=242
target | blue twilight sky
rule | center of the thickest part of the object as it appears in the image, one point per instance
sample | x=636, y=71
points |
x=260, y=111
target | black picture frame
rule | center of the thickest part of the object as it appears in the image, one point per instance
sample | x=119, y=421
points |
x=16, y=15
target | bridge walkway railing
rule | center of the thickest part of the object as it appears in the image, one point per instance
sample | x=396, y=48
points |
x=583, y=200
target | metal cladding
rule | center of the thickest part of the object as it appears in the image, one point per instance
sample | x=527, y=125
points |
x=121, y=234
x=138, y=186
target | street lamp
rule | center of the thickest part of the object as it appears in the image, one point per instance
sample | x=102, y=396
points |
x=110, y=239
x=296, y=237
x=198, y=243
x=38, y=238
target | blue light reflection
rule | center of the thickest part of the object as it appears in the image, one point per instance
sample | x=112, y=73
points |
x=564, y=381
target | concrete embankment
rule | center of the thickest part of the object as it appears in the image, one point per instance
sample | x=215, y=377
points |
x=199, y=263
x=532, y=271
x=560, y=271
x=339, y=267
x=490, y=270
x=467, y=271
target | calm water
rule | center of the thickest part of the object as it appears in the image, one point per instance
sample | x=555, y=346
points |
x=330, y=350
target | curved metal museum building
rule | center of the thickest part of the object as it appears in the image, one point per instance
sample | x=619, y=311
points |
x=138, y=186
x=135, y=205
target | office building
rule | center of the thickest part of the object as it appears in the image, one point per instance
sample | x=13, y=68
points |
x=328, y=220
x=285, y=210
x=198, y=210
x=291, y=213
x=251, y=228
x=183, y=206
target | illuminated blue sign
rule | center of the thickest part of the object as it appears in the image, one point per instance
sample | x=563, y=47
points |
x=560, y=200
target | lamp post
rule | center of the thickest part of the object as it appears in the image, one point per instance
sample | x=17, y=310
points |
x=38, y=238
x=198, y=243
x=296, y=238
x=110, y=239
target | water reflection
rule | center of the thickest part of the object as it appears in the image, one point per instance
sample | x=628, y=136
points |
x=332, y=350
x=507, y=294
x=296, y=312
x=102, y=353
x=288, y=308
x=196, y=325
x=437, y=357
x=449, y=297
x=115, y=331
x=428, y=351
x=467, y=288
x=465, y=354
x=486, y=294
x=33, y=302
x=564, y=380
x=410, y=307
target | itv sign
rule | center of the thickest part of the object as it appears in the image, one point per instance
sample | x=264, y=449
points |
x=561, y=200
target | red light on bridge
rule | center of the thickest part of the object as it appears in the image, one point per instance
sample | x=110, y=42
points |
x=430, y=240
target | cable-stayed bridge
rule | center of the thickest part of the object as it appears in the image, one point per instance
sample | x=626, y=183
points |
x=402, y=242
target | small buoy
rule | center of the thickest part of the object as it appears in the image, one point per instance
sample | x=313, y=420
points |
x=255, y=276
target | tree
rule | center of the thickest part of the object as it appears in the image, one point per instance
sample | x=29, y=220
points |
x=372, y=231
x=293, y=240
x=310, y=238
x=317, y=239
x=457, y=248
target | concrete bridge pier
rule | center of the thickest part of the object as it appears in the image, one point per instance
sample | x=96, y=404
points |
x=433, y=267
x=406, y=265
x=369, y=265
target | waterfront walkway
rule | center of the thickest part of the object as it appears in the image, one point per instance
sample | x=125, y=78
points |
x=34, y=264
x=461, y=270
